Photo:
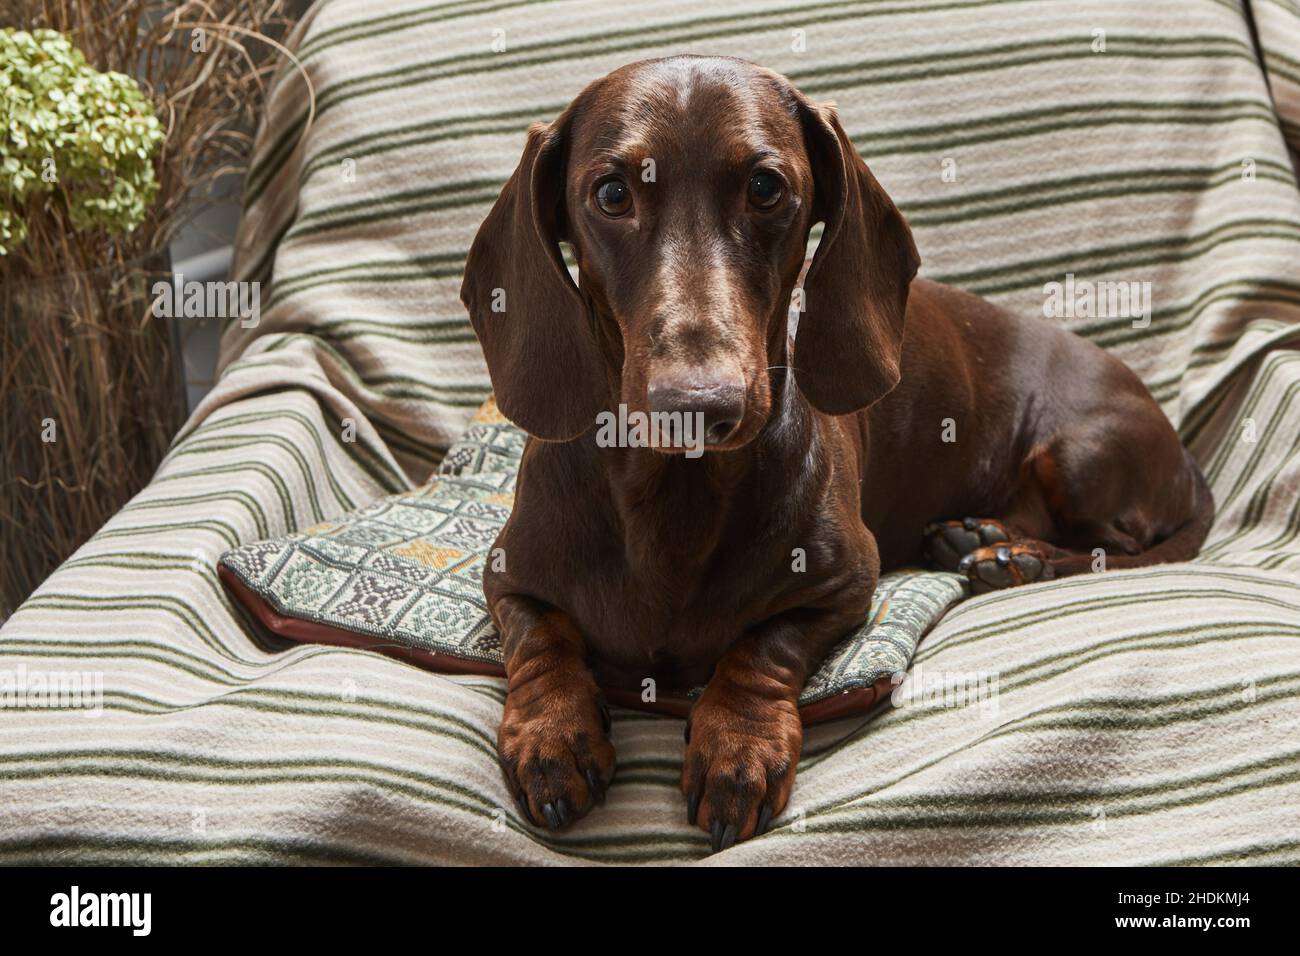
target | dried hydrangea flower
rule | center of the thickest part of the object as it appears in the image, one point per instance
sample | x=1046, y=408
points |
x=87, y=139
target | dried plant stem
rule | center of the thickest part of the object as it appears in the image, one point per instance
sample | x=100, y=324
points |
x=78, y=346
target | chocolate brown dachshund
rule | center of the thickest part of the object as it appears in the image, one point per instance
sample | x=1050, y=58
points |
x=905, y=420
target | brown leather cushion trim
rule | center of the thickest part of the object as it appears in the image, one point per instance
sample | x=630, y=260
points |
x=848, y=704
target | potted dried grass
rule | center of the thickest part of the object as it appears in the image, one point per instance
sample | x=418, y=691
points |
x=117, y=120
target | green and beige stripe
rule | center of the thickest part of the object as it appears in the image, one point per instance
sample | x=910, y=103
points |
x=1140, y=717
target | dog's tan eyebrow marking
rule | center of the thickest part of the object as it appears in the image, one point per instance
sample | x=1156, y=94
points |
x=619, y=157
x=762, y=156
x=629, y=141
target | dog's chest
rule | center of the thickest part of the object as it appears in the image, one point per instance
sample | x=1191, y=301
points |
x=667, y=606
x=670, y=630
x=662, y=576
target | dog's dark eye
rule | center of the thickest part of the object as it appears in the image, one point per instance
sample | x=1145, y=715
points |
x=764, y=190
x=613, y=197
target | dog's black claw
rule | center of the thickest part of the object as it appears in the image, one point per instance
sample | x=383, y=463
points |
x=728, y=837
x=521, y=802
x=716, y=835
x=764, y=819
x=970, y=524
x=966, y=563
x=686, y=734
x=557, y=814
x=692, y=808
x=597, y=788
x=606, y=721
x=1003, y=555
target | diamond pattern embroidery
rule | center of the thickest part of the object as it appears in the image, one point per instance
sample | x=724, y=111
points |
x=371, y=599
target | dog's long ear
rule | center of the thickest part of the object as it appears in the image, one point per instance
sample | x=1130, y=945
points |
x=849, y=343
x=536, y=334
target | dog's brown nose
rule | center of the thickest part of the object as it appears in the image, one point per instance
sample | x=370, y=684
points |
x=715, y=403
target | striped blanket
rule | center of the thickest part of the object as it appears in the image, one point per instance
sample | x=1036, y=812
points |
x=1129, y=717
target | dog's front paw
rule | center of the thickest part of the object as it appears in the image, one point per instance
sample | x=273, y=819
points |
x=741, y=753
x=554, y=746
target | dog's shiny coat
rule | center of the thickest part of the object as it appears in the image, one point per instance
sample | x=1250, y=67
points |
x=828, y=461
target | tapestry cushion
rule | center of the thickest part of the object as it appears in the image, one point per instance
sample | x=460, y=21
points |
x=404, y=576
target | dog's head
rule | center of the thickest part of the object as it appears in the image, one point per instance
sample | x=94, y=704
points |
x=687, y=187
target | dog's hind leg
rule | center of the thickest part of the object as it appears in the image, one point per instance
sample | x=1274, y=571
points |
x=1065, y=522
x=991, y=554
